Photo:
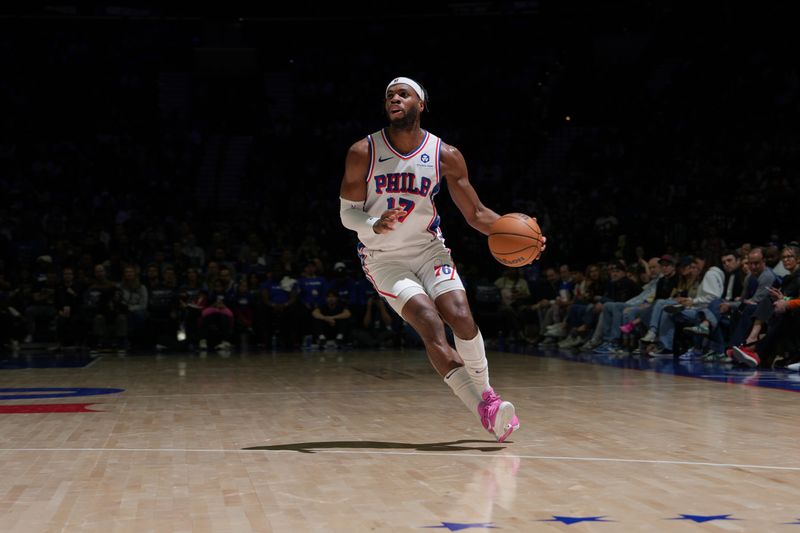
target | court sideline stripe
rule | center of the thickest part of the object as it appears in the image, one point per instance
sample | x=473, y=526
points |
x=132, y=395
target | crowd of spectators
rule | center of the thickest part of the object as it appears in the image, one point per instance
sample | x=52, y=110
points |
x=722, y=307
x=625, y=144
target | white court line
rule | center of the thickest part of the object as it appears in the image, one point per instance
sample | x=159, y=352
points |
x=450, y=455
x=131, y=395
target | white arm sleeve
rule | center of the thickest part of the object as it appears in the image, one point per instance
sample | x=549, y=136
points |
x=353, y=215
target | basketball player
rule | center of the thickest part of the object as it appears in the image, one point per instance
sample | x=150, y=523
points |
x=387, y=193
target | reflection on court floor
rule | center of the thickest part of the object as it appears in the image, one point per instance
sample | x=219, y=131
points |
x=375, y=441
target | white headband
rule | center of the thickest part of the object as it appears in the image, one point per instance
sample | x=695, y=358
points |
x=411, y=83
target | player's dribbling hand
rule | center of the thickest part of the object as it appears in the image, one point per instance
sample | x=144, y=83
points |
x=544, y=244
x=388, y=219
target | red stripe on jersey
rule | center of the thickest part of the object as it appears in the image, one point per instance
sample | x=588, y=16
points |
x=372, y=280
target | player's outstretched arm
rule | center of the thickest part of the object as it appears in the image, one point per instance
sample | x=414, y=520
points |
x=454, y=170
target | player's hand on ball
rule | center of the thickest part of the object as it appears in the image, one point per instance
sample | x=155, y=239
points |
x=388, y=219
x=544, y=243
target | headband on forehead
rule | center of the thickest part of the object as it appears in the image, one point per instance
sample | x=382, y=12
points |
x=411, y=83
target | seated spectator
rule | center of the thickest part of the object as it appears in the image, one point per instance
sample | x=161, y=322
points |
x=311, y=294
x=376, y=329
x=658, y=339
x=632, y=315
x=162, y=313
x=331, y=321
x=152, y=276
x=228, y=284
x=756, y=288
x=243, y=311
x=211, y=274
x=216, y=321
x=275, y=299
x=68, y=306
x=101, y=312
x=688, y=308
x=665, y=286
x=42, y=307
x=544, y=294
x=615, y=312
x=782, y=341
x=706, y=319
x=513, y=290
x=581, y=314
x=766, y=315
x=618, y=289
x=558, y=309
x=189, y=309
x=134, y=300
x=345, y=287
x=790, y=287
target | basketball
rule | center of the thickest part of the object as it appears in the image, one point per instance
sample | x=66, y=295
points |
x=515, y=239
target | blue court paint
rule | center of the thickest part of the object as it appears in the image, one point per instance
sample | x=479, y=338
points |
x=569, y=520
x=703, y=518
x=458, y=526
x=53, y=392
x=722, y=373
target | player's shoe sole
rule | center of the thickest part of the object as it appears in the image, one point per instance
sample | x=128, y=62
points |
x=506, y=421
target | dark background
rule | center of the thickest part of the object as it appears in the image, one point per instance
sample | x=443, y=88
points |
x=672, y=122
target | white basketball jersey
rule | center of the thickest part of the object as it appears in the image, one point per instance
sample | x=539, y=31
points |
x=403, y=180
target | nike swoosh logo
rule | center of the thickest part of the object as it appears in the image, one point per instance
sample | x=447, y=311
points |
x=382, y=159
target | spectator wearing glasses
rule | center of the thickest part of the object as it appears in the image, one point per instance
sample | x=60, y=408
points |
x=765, y=313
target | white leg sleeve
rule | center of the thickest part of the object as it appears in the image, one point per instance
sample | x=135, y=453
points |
x=473, y=353
x=459, y=380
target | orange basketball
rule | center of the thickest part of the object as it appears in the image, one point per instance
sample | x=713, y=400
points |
x=515, y=239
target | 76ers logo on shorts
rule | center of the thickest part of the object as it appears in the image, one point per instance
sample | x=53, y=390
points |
x=444, y=270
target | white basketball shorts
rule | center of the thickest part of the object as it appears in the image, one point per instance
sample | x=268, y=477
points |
x=398, y=275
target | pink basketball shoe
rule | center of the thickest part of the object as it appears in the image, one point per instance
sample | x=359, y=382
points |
x=497, y=416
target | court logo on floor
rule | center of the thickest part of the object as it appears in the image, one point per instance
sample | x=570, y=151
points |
x=39, y=393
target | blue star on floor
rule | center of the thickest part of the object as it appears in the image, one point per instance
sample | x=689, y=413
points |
x=793, y=523
x=458, y=526
x=700, y=518
x=569, y=520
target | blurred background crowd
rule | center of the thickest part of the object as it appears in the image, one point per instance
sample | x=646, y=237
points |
x=170, y=177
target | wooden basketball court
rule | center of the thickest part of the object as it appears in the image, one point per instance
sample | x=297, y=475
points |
x=356, y=441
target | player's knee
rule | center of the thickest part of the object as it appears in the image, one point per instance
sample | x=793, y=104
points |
x=460, y=319
x=429, y=325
